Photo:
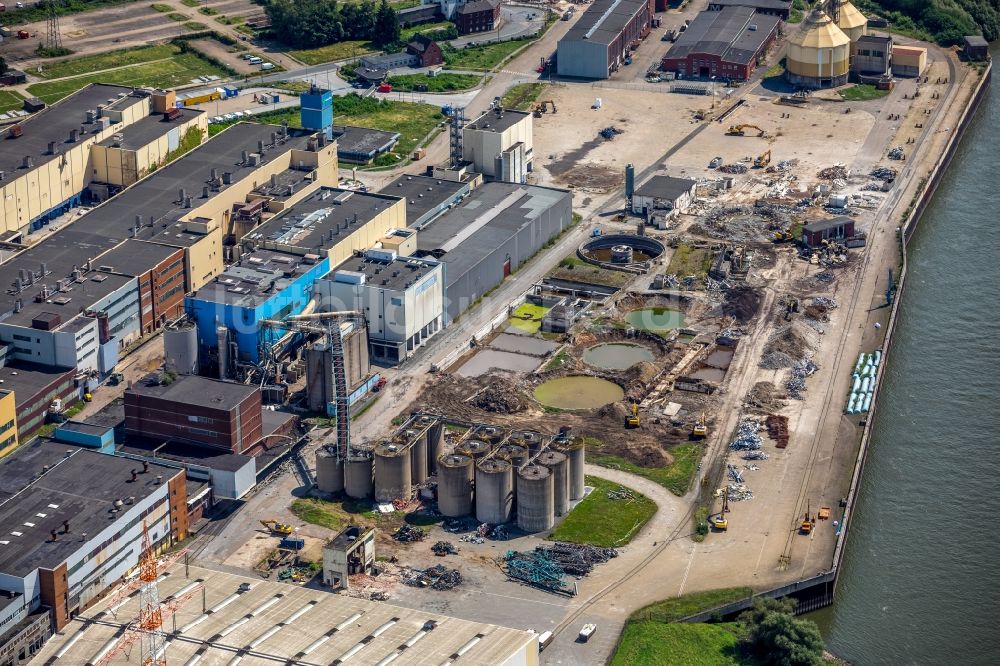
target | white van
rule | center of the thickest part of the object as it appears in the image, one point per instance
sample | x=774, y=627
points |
x=266, y=66
x=254, y=60
x=544, y=639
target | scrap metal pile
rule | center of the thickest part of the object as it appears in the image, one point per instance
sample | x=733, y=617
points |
x=796, y=384
x=897, y=153
x=444, y=548
x=408, y=534
x=735, y=167
x=734, y=473
x=547, y=566
x=437, y=578
x=611, y=132
x=747, y=437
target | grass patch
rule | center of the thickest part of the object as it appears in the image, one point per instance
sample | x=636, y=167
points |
x=177, y=68
x=318, y=512
x=292, y=87
x=700, y=519
x=195, y=25
x=52, y=51
x=604, y=522
x=364, y=409
x=190, y=3
x=775, y=70
x=675, y=477
x=10, y=101
x=192, y=139
x=687, y=260
x=862, y=92
x=230, y=20
x=528, y=317
x=483, y=58
x=678, y=608
x=208, y=11
x=653, y=644
x=521, y=96
x=338, y=51
x=109, y=60
x=163, y=9
x=558, y=361
x=406, y=34
x=439, y=83
x=177, y=16
x=338, y=514
x=795, y=16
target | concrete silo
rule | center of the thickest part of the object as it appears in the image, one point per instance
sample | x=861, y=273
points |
x=535, y=499
x=455, y=485
x=576, y=452
x=329, y=470
x=515, y=453
x=558, y=464
x=358, y=480
x=494, y=491
x=392, y=472
x=474, y=448
x=819, y=54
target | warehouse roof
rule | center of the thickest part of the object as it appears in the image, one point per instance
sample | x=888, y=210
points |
x=726, y=33
x=149, y=129
x=183, y=453
x=44, y=483
x=134, y=257
x=154, y=198
x=476, y=6
x=362, y=142
x=194, y=390
x=268, y=623
x=772, y=5
x=322, y=219
x=27, y=380
x=397, y=274
x=664, y=187
x=55, y=123
x=975, y=40
x=821, y=225
x=493, y=213
x=256, y=278
x=423, y=194
x=605, y=20
x=497, y=121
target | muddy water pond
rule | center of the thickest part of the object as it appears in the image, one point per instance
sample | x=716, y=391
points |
x=720, y=358
x=709, y=374
x=578, y=392
x=616, y=355
x=655, y=320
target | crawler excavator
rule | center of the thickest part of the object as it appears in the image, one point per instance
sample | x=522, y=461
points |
x=740, y=130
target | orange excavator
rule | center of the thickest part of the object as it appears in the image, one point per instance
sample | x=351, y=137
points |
x=808, y=522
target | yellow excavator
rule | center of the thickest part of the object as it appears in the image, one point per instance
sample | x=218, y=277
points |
x=762, y=161
x=700, y=429
x=719, y=520
x=808, y=522
x=740, y=130
x=281, y=529
x=632, y=420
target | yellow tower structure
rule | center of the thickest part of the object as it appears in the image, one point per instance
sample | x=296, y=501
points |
x=819, y=54
x=851, y=21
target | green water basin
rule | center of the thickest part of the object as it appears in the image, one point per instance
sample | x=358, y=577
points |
x=578, y=392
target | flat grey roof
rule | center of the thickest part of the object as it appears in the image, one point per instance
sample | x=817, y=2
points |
x=283, y=185
x=664, y=187
x=322, y=218
x=493, y=121
x=27, y=379
x=156, y=197
x=134, y=257
x=194, y=390
x=79, y=486
x=54, y=123
x=975, y=40
x=183, y=453
x=874, y=39
x=296, y=617
x=820, y=225
x=604, y=21
x=776, y=5
x=151, y=127
x=362, y=141
x=725, y=33
x=389, y=274
x=423, y=193
x=455, y=237
x=255, y=278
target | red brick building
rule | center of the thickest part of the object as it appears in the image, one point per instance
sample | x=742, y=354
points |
x=195, y=409
x=724, y=44
x=426, y=50
x=160, y=270
x=478, y=16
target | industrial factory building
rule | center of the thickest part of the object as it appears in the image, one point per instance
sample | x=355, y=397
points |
x=499, y=145
x=602, y=38
x=780, y=8
x=268, y=622
x=491, y=234
x=401, y=297
x=663, y=192
x=427, y=197
x=35, y=388
x=824, y=51
x=103, y=135
x=725, y=44
x=73, y=521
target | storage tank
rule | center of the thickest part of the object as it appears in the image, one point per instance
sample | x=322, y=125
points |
x=851, y=22
x=528, y=438
x=454, y=485
x=435, y=445
x=474, y=448
x=576, y=452
x=392, y=472
x=819, y=53
x=535, y=499
x=418, y=456
x=494, y=491
x=329, y=470
x=180, y=347
x=558, y=463
x=515, y=453
x=358, y=480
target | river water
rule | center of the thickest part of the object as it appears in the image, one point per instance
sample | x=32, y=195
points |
x=919, y=582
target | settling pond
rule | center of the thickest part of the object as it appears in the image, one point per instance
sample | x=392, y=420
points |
x=616, y=355
x=655, y=320
x=578, y=392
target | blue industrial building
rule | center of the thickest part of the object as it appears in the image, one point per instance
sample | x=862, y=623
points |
x=263, y=285
x=317, y=109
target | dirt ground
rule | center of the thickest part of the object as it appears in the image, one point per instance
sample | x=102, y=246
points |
x=221, y=52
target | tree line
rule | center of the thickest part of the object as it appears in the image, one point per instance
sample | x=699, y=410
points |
x=946, y=21
x=307, y=24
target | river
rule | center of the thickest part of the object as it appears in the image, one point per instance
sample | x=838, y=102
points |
x=918, y=582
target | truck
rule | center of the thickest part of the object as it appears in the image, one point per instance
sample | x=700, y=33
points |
x=586, y=632
x=384, y=88
x=544, y=639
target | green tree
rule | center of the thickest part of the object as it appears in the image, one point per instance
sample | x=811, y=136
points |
x=386, y=25
x=773, y=635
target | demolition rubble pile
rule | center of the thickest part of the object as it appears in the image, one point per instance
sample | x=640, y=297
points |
x=764, y=396
x=796, y=385
x=437, y=578
x=408, y=534
x=897, y=153
x=500, y=397
x=747, y=437
x=443, y=548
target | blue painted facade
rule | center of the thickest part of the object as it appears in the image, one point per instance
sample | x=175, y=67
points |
x=243, y=316
x=103, y=441
x=356, y=394
x=317, y=109
x=73, y=202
